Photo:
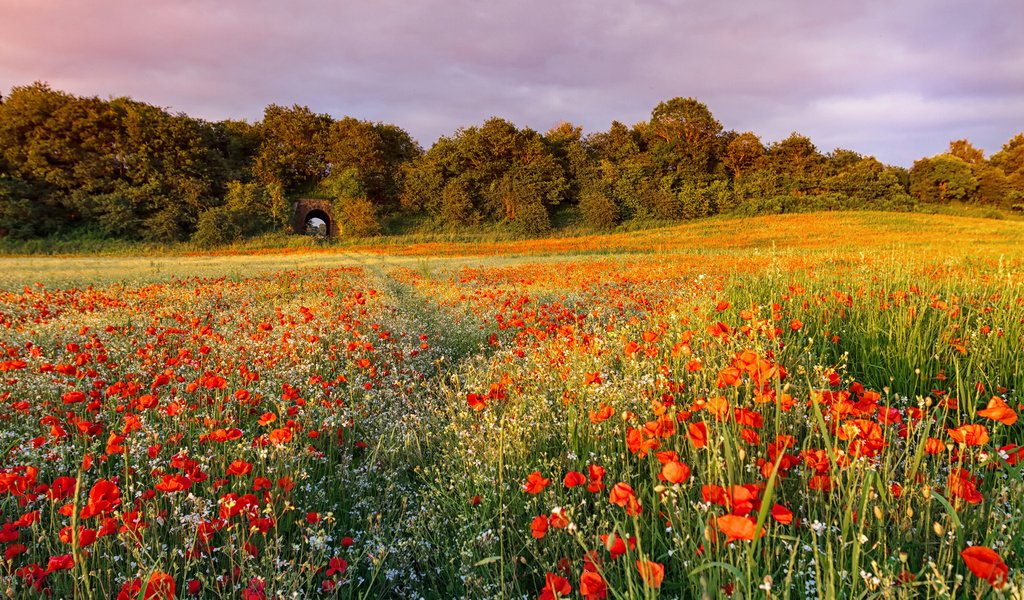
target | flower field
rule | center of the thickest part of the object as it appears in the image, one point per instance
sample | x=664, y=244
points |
x=817, y=406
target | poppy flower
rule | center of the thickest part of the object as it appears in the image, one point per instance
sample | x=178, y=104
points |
x=603, y=413
x=999, y=410
x=970, y=435
x=239, y=467
x=539, y=527
x=337, y=565
x=173, y=483
x=698, y=433
x=558, y=519
x=160, y=586
x=573, y=479
x=616, y=546
x=593, y=586
x=986, y=564
x=130, y=590
x=622, y=494
x=963, y=485
x=737, y=528
x=535, y=483
x=675, y=472
x=555, y=587
x=651, y=572
x=63, y=562
x=596, y=483
x=476, y=402
x=103, y=497
x=782, y=514
x=72, y=397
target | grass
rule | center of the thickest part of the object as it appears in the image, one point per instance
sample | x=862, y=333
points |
x=379, y=420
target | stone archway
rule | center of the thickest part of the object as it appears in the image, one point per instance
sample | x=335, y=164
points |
x=311, y=208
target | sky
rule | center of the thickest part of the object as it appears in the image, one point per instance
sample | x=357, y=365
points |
x=894, y=79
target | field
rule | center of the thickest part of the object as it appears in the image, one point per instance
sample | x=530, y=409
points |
x=811, y=406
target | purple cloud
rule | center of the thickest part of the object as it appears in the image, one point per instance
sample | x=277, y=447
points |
x=897, y=80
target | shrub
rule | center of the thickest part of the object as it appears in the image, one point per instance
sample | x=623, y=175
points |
x=357, y=217
x=532, y=220
x=219, y=226
x=599, y=211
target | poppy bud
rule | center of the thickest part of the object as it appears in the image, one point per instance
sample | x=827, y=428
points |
x=926, y=491
x=938, y=529
x=910, y=513
x=878, y=513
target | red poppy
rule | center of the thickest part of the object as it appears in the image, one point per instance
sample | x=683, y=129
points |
x=698, y=433
x=652, y=573
x=337, y=565
x=555, y=587
x=986, y=564
x=737, y=528
x=239, y=467
x=593, y=586
x=573, y=479
x=535, y=483
x=782, y=514
x=675, y=472
x=970, y=435
x=616, y=546
x=103, y=497
x=999, y=410
x=539, y=526
x=160, y=586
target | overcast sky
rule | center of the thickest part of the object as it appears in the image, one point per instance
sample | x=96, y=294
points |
x=896, y=79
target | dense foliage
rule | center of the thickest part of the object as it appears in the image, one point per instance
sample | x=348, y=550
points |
x=124, y=169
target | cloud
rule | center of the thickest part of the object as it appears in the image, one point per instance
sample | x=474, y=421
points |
x=892, y=79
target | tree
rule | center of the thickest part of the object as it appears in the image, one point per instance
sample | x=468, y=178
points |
x=800, y=167
x=375, y=153
x=942, y=179
x=292, y=148
x=1010, y=162
x=1011, y=157
x=866, y=182
x=743, y=154
x=565, y=142
x=503, y=171
x=235, y=144
x=684, y=140
x=598, y=210
x=963, y=150
x=357, y=216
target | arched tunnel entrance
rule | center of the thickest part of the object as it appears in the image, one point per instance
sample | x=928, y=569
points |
x=318, y=223
x=315, y=217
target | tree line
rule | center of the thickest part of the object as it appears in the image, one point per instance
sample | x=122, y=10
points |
x=125, y=169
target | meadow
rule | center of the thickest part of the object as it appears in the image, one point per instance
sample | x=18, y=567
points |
x=796, y=406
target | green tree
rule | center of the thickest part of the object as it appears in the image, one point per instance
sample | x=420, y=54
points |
x=685, y=141
x=598, y=210
x=966, y=152
x=292, y=150
x=798, y=164
x=942, y=179
x=1010, y=162
x=743, y=154
x=505, y=172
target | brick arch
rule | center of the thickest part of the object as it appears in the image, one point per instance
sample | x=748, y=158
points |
x=307, y=208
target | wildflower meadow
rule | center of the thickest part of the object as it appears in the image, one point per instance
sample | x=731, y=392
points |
x=809, y=406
